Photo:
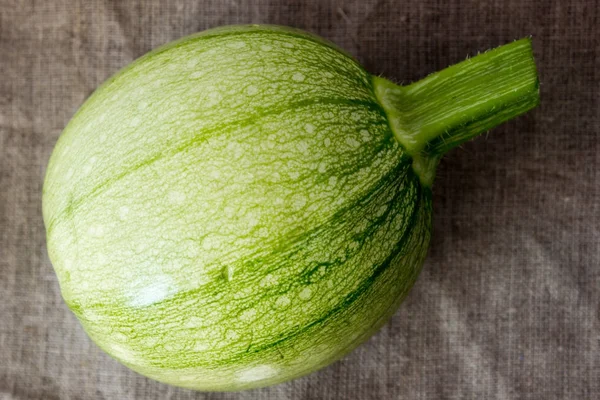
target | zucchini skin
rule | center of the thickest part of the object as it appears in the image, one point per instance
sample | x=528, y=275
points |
x=232, y=210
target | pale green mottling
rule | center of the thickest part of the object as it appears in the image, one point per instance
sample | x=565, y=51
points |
x=216, y=182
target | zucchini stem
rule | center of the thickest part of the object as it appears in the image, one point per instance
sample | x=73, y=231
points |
x=449, y=107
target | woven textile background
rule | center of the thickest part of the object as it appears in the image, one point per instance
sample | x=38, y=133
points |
x=508, y=304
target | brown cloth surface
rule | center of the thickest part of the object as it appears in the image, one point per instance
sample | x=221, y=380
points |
x=508, y=304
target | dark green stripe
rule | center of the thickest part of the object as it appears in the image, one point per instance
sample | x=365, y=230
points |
x=350, y=298
x=353, y=296
x=291, y=243
x=204, y=134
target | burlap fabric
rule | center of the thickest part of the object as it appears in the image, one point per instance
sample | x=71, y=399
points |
x=508, y=304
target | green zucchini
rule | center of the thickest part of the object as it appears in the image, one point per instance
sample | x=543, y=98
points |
x=246, y=205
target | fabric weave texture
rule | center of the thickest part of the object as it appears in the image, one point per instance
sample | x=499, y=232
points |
x=508, y=303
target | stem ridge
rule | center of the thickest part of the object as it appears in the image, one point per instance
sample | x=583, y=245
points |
x=449, y=107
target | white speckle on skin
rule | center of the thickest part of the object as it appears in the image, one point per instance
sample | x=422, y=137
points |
x=84, y=285
x=135, y=121
x=302, y=147
x=327, y=142
x=365, y=135
x=332, y=181
x=231, y=335
x=118, y=336
x=150, y=341
x=251, y=90
x=176, y=197
x=174, y=346
x=236, y=45
x=208, y=243
x=306, y=307
x=310, y=128
x=192, y=63
x=288, y=45
x=352, y=142
x=213, y=98
x=263, y=232
x=191, y=249
x=101, y=259
x=193, y=322
x=305, y=293
x=257, y=373
x=91, y=315
x=294, y=174
x=145, y=294
x=252, y=221
x=381, y=210
x=298, y=77
x=322, y=167
x=123, y=211
x=122, y=353
x=248, y=314
x=266, y=47
x=298, y=201
x=268, y=280
x=200, y=346
x=229, y=211
x=96, y=230
x=282, y=301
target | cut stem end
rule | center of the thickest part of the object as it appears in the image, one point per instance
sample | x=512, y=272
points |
x=447, y=108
